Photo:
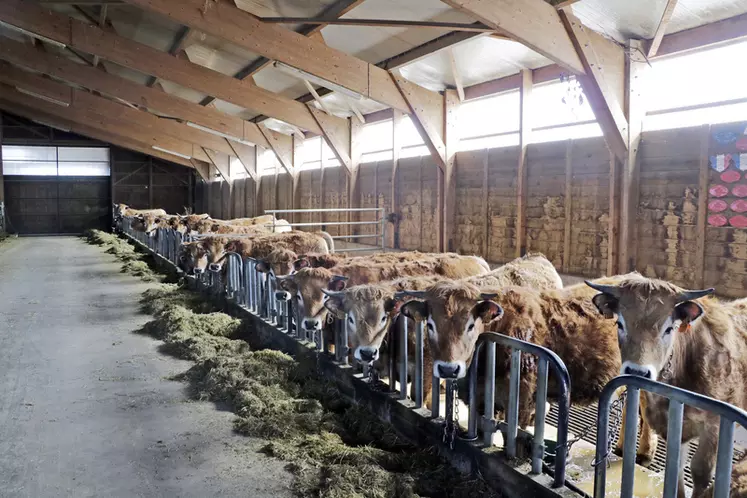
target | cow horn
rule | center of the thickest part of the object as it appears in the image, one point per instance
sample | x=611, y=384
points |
x=281, y=278
x=690, y=295
x=409, y=293
x=610, y=290
x=486, y=296
x=332, y=293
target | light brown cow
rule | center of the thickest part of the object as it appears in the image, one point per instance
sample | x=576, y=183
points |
x=308, y=284
x=686, y=339
x=149, y=223
x=532, y=270
x=210, y=253
x=562, y=320
x=123, y=210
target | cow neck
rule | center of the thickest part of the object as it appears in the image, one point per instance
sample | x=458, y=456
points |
x=672, y=371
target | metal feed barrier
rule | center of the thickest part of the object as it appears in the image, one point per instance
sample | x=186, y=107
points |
x=729, y=415
x=379, y=223
x=259, y=293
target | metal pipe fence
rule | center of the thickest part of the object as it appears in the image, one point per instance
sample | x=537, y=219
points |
x=547, y=360
x=729, y=415
x=241, y=282
x=379, y=223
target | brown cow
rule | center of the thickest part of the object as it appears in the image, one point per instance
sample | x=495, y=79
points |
x=210, y=253
x=686, y=339
x=308, y=284
x=562, y=320
x=532, y=270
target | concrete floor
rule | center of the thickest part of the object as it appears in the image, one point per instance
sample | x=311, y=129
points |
x=85, y=405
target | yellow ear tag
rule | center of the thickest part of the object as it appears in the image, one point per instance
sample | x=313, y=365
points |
x=684, y=327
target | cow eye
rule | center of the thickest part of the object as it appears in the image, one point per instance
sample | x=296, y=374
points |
x=383, y=319
x=350, y=320
x=668, y=330
x=430, y=326
x=298, y=297
x=470, y=327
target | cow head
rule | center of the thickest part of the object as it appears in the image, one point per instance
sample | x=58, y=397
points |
x=454, y=313
x=307, y=288
x=119, y=211
x=317, y=261
x=368, y=311
x=278, y=262
x=138, y=223
x=651, y=314
x=192, y=258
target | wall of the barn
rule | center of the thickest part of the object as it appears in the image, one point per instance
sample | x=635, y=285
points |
x=145, y=182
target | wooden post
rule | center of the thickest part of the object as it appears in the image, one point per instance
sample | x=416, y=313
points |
x=2, y=182
x=258, y=151
x=397, y=125
x=636, y=69
x=150, y=182
x=356, y=128
x=297, y=163
x=614, y=218
x=322, y=164
x=702, y=206
x=568, y=205
x=451, y=140
x=486, y=205
x=525, y=130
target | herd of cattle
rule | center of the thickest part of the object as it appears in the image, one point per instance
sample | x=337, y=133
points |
x=626, y=324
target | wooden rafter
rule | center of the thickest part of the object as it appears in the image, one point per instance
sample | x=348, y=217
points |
x=64, y=69
x=388, y=23
x=179, y=43
x=94, y=132
x=145, y=59
x=275, y=42
x=415, y=54
x=662, y=27
x=534, y=23
x=426, y=112
x=456, y=75
x=604, y=81
x=525, y=138
x=337, y=9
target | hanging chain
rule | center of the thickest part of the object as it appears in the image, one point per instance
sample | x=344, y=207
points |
x=617, y=409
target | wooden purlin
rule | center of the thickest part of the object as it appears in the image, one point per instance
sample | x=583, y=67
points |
x=534, y=23
x=92, y=39
x=230, y=23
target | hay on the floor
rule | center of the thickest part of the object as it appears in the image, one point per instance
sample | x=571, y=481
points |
x=335, y=448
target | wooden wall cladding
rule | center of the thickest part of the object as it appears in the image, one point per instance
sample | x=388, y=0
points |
x=668, y=205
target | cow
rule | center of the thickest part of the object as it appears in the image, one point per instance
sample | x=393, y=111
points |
x=149, y=223
x=210, y=253
x=122, y=211
x=684, y=338
x=307, y=284
x=562, y=320
x=372, y=310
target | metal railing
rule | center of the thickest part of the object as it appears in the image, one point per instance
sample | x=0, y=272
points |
x=729, y=415
x=259, y=293
x=547, y=360
x=379, y=223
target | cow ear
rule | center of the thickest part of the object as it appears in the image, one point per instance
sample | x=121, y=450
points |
x=606, y=304
x=263, y=266
x=335, y=305
x=417, y=310
x=337, y=284
x=392, y=305
x=688, y=312
x=487, y=310
x=301, y=263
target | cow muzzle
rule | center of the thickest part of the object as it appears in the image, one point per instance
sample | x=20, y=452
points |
x=214, y=267
x=198, y=271
x=366, y=354
x=449, y=370
x=312, y=324
x=645, y=371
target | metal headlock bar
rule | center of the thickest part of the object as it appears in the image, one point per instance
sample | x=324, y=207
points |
x=258, y=292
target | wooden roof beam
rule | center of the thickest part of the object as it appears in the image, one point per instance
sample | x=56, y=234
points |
x=535, y=23
x=92, y=132
x=661, y=28
x=426, y=110
x=91, y=39
x=603, y=82
x=64, y=69
x=230, y=23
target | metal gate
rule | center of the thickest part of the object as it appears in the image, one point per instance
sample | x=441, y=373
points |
x=38, y=205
